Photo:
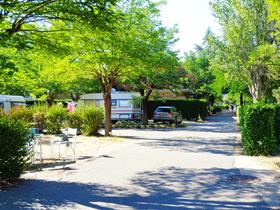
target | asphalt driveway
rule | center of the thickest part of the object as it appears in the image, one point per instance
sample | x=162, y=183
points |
x=197, y=167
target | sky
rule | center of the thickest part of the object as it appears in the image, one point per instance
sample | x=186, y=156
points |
x=193, y=18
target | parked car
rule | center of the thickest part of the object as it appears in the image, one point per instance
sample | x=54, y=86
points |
x=167, y=114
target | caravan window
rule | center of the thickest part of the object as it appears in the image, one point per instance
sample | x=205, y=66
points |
x=124, y=103
x=114, y=102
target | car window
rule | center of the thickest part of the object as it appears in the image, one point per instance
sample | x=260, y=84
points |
x=163, y=110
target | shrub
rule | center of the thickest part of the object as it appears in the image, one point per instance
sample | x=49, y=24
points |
x=39, y=116
x=14, y=149
x=92, y=119
x=55, y=118
x=257, y=122
x=191, y=109
x=21, y=113
x=203, y=112
x=217, y=108
x=75, y=119
x=2, y=113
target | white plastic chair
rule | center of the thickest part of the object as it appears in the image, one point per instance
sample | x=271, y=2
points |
x=36, y=141
x=64, y=139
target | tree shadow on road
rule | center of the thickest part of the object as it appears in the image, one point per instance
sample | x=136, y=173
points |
x=221, y=146
x=166, y=188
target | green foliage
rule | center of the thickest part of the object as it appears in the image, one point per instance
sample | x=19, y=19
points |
x=191, y=109
x=218, y=108
x=274, y=16
x=55, y=117
x=39, y=116
x=2, y=113
x=277, y=123
x=92, y=119
x=23, y=22
x=21, y=113
x=75, y=119
x=14, y=150
x=246, y=52
x=198, y=75
x=139, y=125
x=203, y=112
x=257, y=122
x=276, y=94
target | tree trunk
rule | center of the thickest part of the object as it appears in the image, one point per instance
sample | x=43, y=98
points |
x=50, y=99
x=107, y=105
x=144, y=105
x=260, y=82
x=75, y=97
x=241, y=99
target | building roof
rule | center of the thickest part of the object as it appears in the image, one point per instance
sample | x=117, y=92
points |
x=115, y=95
x=12, y=98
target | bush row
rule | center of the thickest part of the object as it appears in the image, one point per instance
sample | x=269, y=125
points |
x=87, y=119
x=218, y=108
x=191, y=109
x=260, y=125
x=139, y=125
x=16, y=138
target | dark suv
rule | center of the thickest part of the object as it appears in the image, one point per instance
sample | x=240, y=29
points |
x=167, y=114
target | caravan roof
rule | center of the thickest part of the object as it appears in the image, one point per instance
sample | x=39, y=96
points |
x=6, y=98
x=116, y=95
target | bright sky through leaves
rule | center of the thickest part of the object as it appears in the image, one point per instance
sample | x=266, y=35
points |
x=193, y=18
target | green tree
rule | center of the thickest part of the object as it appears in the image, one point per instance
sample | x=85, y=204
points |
x=246, y=50
x=155, y=63
x=199, y=76
x=111, y=56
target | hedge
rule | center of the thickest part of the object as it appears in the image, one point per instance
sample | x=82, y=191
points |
x=87, y=119
x=21, y=113
x=257, y=123
x=14, y=148
x=277, y=123
x=55, y=117
x=191, y=109
x=92, y=119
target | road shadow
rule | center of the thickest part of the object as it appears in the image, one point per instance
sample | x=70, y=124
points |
x=223, y=146
x=166, y=188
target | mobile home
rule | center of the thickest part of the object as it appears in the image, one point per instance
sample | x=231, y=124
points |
x=122, y=106
x=9, y=101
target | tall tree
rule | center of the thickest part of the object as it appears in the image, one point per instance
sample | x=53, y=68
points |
x=246, y=49
x=199, y=76
x=112, y=56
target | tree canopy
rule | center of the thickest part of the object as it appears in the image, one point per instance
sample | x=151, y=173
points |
x=246, y=50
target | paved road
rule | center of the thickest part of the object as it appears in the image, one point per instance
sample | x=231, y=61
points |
x=188, y=168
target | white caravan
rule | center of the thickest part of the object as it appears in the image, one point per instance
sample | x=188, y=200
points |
x=122, y=106
x=9, y=101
